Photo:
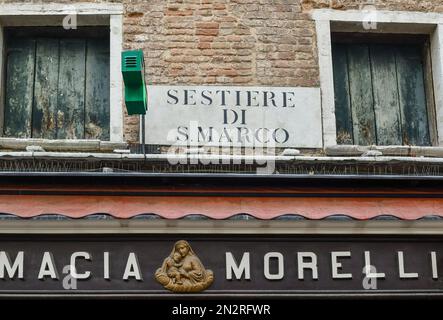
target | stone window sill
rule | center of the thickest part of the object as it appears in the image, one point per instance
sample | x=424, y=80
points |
x=390, y=151
x=14, y=144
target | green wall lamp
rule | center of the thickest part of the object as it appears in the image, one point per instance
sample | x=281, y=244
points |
x=133, y=71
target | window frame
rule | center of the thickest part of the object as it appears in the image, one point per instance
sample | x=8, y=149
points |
x=328, y=21
x=88, y=14
x=418, y=40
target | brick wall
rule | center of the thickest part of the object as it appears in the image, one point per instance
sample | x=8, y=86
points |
x=241, y=42
x=238, y=42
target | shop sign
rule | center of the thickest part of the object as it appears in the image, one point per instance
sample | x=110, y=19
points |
x=220, y=265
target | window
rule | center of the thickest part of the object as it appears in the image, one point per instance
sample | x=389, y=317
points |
x=31, y=32
x=57, y=83
x=383, y=24
x=380, y=89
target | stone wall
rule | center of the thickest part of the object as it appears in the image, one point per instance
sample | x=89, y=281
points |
x=238, y=42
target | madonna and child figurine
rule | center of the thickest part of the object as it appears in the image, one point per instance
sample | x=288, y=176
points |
x=182, y=270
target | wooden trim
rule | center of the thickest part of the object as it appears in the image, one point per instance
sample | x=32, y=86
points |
x=201, y=191
x=222, y=227
x=219, y=206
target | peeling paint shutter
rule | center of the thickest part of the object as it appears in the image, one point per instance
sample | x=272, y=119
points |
x=380, y=94
x=19, y=88
x=57, y=88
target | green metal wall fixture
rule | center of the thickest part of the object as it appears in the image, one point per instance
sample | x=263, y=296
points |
x=134, y=78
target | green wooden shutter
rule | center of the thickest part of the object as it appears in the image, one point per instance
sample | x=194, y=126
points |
x=71, y=90
x=410, y=74
x=57, y=88
x=380, y=94
x=97, y=90
x=45, y=90
x=20, y=69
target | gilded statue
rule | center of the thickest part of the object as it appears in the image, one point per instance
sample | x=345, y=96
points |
x=182, y=270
